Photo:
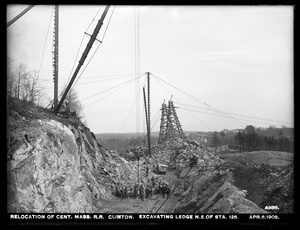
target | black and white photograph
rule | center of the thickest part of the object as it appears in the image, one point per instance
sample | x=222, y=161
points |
x=150, y=114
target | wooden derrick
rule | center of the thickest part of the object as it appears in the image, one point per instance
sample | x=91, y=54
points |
x=170, y=126
x=163, y=124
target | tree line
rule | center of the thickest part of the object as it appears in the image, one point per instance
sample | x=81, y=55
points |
x=253, y=139
x=25, y=85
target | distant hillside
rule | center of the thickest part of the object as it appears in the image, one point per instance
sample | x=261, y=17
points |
x=122, y=142
x=122, y=136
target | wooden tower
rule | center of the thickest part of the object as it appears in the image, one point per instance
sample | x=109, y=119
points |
x=170, y=126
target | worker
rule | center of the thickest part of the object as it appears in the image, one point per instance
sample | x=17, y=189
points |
x=193, y=160
x=122, y=192
x=153, y=181
x=161, y=189
x=150, y=191
x=167, y=190
x=147, y=191
x=142, y=191
x=125, y=191
x=136, y=191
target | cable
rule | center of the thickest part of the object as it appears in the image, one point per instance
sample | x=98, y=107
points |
x=84, y=83
x=94, y=51
x=197, y=118
x=75, y=58
x=107, y=24
x=110, y=93
x=93, y=19
x=209, y=106
x=110, y=88
x=156, y=119
x=178, y=100
x=17, y=10
x=81, y=44
x=137, y=61
x=130, y=110
x=258, y=118
x=111, y=75
x=45, y=41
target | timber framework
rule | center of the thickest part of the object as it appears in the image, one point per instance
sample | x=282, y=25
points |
x=170, y=126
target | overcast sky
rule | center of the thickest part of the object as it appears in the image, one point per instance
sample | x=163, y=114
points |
x=216, y=61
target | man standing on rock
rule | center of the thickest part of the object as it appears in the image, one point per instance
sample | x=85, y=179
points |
x=161, y=189
x=122, y=192
x=142, y=191
x=125, y=192
x=136, y=191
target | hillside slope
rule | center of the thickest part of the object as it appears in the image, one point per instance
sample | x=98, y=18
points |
x=56, y=165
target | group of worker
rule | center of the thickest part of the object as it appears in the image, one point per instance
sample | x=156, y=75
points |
x=164, y=189
x=143, y=191
x=122, y=191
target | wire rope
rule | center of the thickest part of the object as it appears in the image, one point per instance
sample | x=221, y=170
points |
x=45, y=41
x=81, y=44
x=178, y=100
x=23, y=8
x=235, y=120
x=131, y=109
x=111, y=93
x=241, y=115
x=137, y=61
x=109, y=88
x=94, y=51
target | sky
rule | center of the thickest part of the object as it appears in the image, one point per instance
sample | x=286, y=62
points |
x=225, y=67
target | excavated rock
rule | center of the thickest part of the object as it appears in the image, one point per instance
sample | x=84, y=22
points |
x=212, y=192
x=56, y=165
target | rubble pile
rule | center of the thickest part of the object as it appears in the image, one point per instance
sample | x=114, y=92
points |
x=177, y=152
x=212, y=191
x=236, y=186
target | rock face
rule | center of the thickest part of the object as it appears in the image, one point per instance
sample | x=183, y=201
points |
x=213, y=192
x=56, y=166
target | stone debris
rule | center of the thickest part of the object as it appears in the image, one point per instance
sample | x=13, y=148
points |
x=57, y=165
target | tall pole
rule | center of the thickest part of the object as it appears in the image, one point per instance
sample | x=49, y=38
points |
x=83, y=57
x=149, y=133
x=19, y=15
x=55, y=57
x=147, y=122
x=139, y=170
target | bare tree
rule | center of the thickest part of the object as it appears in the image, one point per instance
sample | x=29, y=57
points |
x=10, y=79
x=36, y=92
x=23, y=84
x=21, y=75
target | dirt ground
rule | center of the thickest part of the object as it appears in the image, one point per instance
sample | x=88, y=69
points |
x=268, y=181
x=131, y=205
x=274, y=158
